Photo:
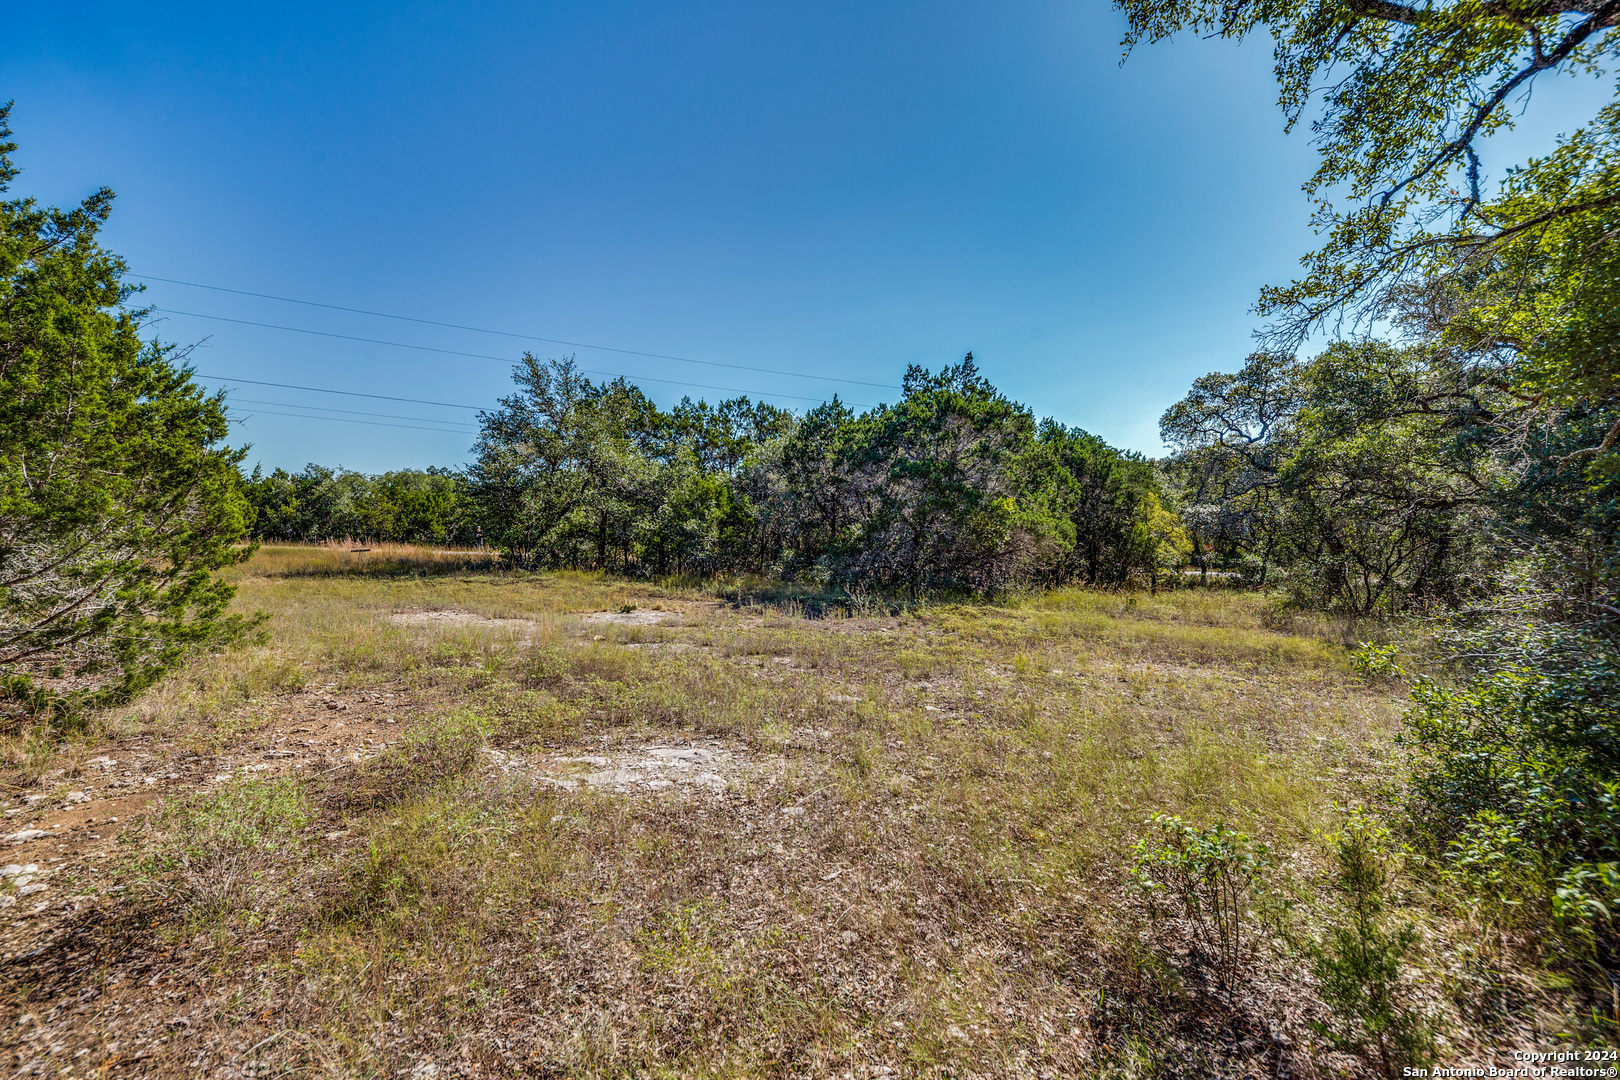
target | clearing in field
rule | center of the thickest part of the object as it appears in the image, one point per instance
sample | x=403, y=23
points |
x=454, y=821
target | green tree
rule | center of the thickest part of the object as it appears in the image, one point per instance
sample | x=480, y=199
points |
x=1400, y=97
x=118, y=498
x=1116, y=525
x=316, y=503
x=427, y=506
x=532, y=467
x=1361, y=470
x=274, y=501
x=953, y=489
x=565, y=471
x=821, y=494
x=723, y=436
x=619, y=430
x=1229, y=436
x=1517, y=288
x=1386, y=482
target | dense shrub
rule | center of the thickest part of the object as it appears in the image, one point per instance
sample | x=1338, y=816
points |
x=1515, y=786
x=1534, y=751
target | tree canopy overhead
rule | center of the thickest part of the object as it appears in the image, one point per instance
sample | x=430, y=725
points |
x=1399, y=97
x=1508, y=296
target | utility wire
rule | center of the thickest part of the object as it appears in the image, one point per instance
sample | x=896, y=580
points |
x=504, y=333
x=345, y=420
x=485, y=356
x=353, y=412
x=345, y=393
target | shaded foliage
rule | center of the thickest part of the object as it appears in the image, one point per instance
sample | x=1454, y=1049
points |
x=1361, y=473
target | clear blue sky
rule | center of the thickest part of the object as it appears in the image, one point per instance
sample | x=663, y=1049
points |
x=838, y=189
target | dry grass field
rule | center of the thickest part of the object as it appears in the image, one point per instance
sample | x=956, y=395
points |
x=450, y=821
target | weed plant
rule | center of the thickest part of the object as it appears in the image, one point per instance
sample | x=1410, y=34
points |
x=223, y=855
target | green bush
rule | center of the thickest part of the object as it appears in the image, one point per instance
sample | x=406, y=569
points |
x=1210, y=875
x=1515, y=794
x=1358, y=963
x=1520, y=758
x=1584, y=901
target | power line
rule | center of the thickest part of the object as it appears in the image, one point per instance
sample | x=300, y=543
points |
x=345, y=393
x=353, y=412
x=486, y=356
x=345, y=420
x=504, y=333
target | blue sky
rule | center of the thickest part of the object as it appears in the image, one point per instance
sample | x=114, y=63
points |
x=836, y=190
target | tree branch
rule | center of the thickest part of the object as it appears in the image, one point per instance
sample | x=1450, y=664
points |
x=1602, y=17
x=1411, y=16
x=1593, y=451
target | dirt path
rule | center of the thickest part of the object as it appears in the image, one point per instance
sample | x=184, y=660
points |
x=61, y=833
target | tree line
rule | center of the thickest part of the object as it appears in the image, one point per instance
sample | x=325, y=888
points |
x=954, y=488
x=407, y=506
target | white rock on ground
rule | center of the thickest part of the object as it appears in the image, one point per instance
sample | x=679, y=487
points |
x=686, y=755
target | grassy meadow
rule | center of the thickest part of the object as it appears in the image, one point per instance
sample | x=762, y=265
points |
x=915, y=861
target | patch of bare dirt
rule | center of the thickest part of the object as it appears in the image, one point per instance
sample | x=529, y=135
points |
x=687, y=769
x=446, y=618
x=638, y=617
x=65, y=826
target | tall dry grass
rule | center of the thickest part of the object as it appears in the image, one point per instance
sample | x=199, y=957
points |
x=925, y=866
